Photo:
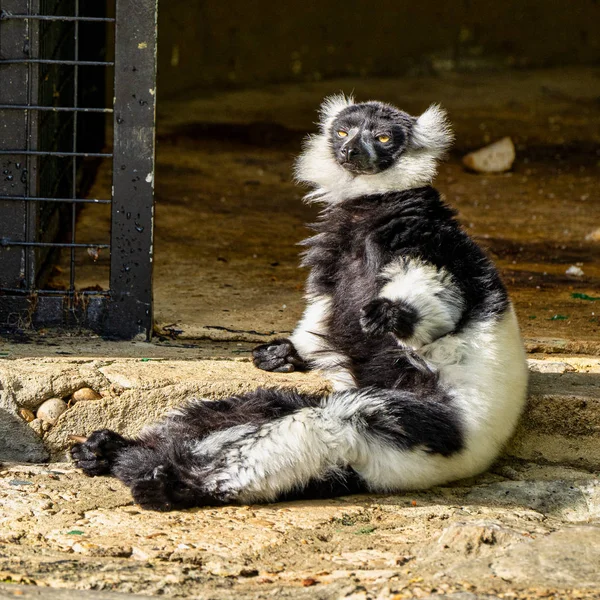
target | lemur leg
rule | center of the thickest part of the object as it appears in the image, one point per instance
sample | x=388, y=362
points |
x=139, y=463
x=97, y=454
x=365, y=439
x=155, y=465
x=363, y=431
x=418, y=302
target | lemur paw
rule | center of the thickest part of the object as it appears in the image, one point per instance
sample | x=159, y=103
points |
x=381, y=316
x=96, y=455
x=278, y=356
x=153, y=492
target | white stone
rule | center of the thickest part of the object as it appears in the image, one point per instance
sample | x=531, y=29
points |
x=495, y=158
x=574, y=271
x=51, y=409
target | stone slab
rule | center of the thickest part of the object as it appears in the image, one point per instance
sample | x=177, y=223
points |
x=560, y=425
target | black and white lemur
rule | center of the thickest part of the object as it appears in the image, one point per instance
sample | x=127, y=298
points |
x=406, y=316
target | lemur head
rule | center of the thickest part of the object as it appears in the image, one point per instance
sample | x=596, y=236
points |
x=368, y=138
x=371, y=147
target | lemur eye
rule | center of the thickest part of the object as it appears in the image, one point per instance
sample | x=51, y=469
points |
x=342, y=133
x=384, y=139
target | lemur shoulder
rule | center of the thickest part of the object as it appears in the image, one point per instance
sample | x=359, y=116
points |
x=406, y=315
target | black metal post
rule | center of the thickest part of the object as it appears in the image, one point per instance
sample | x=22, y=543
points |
x=130, y=313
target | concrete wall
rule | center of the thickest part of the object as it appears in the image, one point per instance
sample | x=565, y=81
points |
x=247, y=42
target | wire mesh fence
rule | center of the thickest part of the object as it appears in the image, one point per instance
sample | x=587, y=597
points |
x=77, y=93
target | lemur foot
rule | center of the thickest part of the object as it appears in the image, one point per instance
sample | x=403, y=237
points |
x=96, y=455
x=153, y=491
x=163, y=489
x=381, y=316
x=278, y=356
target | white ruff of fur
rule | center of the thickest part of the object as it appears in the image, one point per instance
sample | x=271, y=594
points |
x=417, y=166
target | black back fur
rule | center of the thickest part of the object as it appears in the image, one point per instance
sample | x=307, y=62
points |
x=358, y=237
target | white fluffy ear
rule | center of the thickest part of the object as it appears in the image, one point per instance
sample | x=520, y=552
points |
x=432, y=131
x=332, y=106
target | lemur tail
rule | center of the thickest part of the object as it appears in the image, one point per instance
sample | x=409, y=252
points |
x=275, y=444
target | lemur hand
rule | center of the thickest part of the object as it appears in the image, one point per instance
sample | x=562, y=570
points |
x=381, y=316
x=96, y=454
x=279, y=356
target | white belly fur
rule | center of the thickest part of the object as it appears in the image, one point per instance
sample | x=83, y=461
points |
x=484, y=369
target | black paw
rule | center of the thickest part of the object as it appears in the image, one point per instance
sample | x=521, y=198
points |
x=96, y=455
x=381, y=316
x=278, y=356
x=161, y=489
x=153, y=491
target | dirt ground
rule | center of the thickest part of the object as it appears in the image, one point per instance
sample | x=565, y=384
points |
x=228, y=214
x=494, y=537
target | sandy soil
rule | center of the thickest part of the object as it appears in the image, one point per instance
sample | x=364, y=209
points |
x=522, y=531
x=228, y=215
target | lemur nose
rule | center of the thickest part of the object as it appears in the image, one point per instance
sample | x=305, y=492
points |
x=349, y=152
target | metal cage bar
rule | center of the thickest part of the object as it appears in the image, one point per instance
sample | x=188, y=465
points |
x=51, y=61
x=74, y=160
x=47, y=153
x=55, y=108
x=78, y=200
x=6, y=15
x=133, y=173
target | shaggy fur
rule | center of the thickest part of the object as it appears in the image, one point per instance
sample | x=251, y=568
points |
x=407, y=317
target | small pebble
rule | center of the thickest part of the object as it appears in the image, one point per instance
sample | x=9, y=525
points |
x=574, y=271
x=224, y=570
x=37, y=426
x=85, y=393
x=593, y=236
x=26, y=414
x=51, y=409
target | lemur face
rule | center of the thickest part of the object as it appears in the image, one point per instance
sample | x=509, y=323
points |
x=368, y=138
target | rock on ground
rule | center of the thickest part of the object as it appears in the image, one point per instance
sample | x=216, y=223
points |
x=18, y=442
x=495, y=158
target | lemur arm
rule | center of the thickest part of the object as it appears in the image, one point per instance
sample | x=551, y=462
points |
x=418, y=302
x=285, y=355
